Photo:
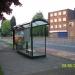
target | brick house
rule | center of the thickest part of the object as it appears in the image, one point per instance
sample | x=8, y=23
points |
x=71, y=29
x=59, y=21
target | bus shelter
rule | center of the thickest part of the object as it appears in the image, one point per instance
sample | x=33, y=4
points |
x=30, y=38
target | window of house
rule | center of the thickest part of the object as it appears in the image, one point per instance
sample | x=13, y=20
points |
x=51, y=20
x=64, y=19
x=55, y=14
x=60, y=26
x=71, y=24
x=51, y=14
x=64, y=12
x=55, y=26
x=59, y=13
x=51, y=26
x=59, y=19
x=64, y=25
x=55, y=20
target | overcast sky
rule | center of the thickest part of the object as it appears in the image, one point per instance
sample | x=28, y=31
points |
x=31, y=7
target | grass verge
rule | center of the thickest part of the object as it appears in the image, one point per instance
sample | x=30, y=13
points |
x=1, y=71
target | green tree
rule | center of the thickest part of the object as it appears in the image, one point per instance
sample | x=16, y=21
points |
x=0, y=31
x=5, y=28
x=39, y=30
x=12, y=22
x=5, y=6
x=38, y=15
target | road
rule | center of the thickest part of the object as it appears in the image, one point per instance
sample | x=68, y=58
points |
x=59, y=44
x=55, y=46
x=52, y=43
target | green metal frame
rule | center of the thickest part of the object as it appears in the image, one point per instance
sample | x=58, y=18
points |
x=31, y=24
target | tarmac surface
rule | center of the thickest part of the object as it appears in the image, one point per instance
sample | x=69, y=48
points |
x=15, y=64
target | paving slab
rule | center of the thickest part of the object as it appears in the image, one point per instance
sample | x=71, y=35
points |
x=70, y=71
x=61, y=53
x=15, y=64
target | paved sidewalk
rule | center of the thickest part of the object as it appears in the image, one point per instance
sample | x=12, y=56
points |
x=56, y=72
x=15, y=64
x=54, y=52
x=61, y=53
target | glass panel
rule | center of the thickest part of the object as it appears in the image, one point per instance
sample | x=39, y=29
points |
x=27, y=40
x=55, y=20
x=51, y=14
x=38, y=32
x=31, y=41
x=59, y=13
x=51, y=26
x=37, y=23
x=60, y=26
x=23, y=40
x=64, y=19
x=26, y=26
x=19, y=39
x=59, y=19
x=64, y=12
x=55, y=14
x=55, y=26
x=51, y=20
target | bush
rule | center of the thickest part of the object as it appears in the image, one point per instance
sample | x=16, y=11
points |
x=6, y=28
x=1, y=72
